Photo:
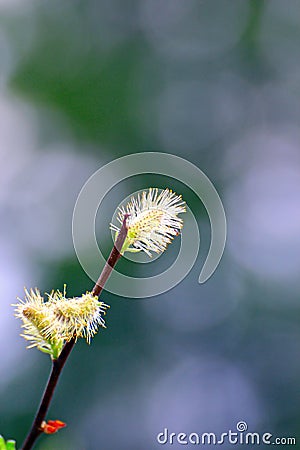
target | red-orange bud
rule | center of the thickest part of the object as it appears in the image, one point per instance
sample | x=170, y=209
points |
x=52, y=426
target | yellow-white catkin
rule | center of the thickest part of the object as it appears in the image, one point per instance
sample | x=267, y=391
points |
x=153, y=220
x=51, y=322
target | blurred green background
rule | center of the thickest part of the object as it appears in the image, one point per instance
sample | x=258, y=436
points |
x=216, y=82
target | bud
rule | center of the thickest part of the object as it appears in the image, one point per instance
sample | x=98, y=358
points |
x=52, y=426
x=48, y=324
x=153, y=221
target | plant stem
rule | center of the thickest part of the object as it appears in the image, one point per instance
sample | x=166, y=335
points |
x=113, y=258
x=58, y=364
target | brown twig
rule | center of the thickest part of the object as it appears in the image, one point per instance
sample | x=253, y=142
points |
x=58, y=364
x=113, y=258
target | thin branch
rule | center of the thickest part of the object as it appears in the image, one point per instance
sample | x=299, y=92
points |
x=58, y=364
x=113, y=258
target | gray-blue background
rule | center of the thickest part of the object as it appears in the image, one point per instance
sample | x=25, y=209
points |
x=216, y=82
